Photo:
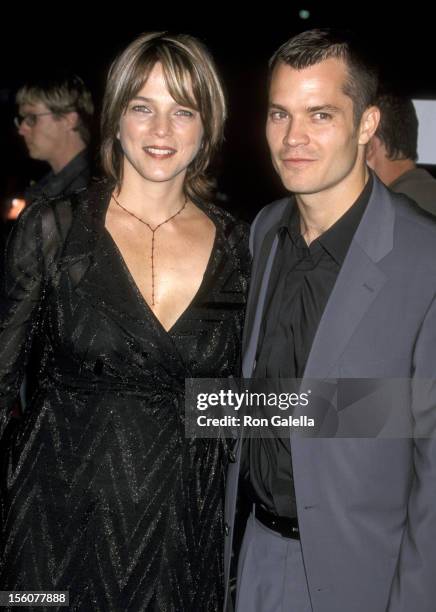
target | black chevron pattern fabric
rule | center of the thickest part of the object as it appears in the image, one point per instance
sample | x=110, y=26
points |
x=103, y=496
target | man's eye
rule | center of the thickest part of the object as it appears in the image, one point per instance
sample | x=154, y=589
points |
x=322, y=116
x=278, y=115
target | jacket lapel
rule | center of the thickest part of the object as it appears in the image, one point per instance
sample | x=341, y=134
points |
x=262, y=267
x=358, y=284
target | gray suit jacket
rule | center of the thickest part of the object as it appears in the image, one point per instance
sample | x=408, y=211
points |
x=366, y=507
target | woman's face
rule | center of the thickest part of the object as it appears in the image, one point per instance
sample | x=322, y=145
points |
x=159, y=137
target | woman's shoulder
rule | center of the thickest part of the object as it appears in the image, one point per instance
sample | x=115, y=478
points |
x=228, y=223
x=48, y=221
x=50, y=209
x=42, y=219
x=61, y=210
x=236, y=234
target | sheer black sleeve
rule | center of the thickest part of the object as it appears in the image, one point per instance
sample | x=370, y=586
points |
x=31, y=251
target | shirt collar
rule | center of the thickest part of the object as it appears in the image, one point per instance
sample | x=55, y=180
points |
x=56, y=183
x=337, y=239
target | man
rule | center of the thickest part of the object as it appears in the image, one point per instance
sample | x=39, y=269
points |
x=54, y=120
x=343, y=285
x=392, y=152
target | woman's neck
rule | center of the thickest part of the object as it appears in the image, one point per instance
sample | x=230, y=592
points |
x=152, y=201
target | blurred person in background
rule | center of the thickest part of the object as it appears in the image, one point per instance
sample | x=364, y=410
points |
x=393, y=150
x=55, y=120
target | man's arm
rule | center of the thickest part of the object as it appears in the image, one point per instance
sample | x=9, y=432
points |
x=414, y=585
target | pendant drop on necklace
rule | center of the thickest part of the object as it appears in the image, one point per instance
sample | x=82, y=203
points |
x=152, y=267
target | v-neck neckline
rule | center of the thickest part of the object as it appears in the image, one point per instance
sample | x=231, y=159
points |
x=134, y=284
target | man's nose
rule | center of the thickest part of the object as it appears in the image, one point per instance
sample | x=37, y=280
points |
x=296, y=134
x=24, y=128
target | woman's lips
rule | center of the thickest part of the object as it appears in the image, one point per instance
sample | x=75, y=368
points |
x=160, y=152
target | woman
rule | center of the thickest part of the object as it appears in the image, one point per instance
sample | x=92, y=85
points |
x=126, y=289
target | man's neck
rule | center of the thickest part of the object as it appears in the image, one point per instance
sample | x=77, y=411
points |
x=320, y=211
x=395, y=169
x=66, y=155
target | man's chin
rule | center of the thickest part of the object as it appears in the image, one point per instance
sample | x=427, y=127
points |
x=296, y=186
x=298, y=182
x=34, y=155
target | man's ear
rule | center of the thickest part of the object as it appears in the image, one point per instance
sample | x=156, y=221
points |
x=368, y=124
x=71, y=120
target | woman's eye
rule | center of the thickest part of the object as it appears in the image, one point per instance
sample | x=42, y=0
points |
x=183, y=112
x=139, y=108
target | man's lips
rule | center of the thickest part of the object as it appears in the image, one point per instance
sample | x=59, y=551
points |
x=159, y=152
x=296, y=160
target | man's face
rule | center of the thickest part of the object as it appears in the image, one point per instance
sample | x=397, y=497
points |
x=43, y=140
x=310, y=129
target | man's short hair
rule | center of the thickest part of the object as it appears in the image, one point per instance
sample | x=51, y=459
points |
x=398, y=127
x=314, y=46
x=61, y=94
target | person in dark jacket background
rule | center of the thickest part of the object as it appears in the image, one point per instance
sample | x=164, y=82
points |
x=54, y=119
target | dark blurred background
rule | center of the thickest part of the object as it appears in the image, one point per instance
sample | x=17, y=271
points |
x=37, y=38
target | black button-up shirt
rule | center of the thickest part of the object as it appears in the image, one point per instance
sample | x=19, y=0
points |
x=301, y=282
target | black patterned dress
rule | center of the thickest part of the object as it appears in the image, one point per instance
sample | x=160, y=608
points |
x=103, y=496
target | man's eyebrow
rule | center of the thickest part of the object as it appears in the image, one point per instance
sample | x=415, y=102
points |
x=324, y=108
x=311, y=109
x=277, y=106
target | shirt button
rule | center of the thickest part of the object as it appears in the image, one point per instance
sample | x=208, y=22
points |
x=226, y=529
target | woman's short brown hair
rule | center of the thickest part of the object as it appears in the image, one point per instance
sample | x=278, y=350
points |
x=186, y=63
